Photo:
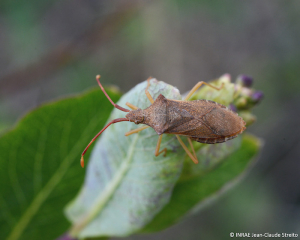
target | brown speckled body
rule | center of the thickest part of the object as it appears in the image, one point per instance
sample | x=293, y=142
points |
x=202, y=120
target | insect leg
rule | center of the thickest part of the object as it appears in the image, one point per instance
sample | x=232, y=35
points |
x=131, y=106
x=198, y=85
x=146, y=91
x=191, y=144
x=194, y=159
x=157, y=152
x=136, y=130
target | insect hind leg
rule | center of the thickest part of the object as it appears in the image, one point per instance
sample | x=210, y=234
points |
x=194, y=158
x=193, y=150
x=198, y=85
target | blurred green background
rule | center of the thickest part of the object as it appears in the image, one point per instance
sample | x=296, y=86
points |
x=49, y=49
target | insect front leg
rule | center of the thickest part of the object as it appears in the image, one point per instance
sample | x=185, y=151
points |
x=135, y=108
x=146, y=91
x=198, y=85
x=194, y=158
x=157, y=152
x=136, y=130
x=131, y=106
x=147, y=94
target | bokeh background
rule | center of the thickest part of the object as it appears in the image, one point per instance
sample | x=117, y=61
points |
x=50, y=49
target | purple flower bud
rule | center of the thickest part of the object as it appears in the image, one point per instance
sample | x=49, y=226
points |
x=246, y=81
x=257, y=96
x=232, y=107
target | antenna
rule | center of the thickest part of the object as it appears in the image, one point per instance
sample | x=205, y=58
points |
x=115, y=105
x=113, y=121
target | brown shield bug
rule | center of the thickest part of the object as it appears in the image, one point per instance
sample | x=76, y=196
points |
x=203, y=121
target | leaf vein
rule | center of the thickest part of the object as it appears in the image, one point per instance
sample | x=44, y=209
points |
x=103, y=198
x=14, y=179
x=47, y=189
x=39, y=155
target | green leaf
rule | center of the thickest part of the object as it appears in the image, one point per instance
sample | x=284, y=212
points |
x=126, y=185
x=191, y=193
x=40, y=170
x=210, y=156
x=128, y=188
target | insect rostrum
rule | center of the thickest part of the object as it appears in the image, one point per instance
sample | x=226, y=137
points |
x=199, y=120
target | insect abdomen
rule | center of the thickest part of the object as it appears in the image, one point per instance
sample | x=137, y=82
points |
x=206, y=121
x=222, y=122
x=214, y=140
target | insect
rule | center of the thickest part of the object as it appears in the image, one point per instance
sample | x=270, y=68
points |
x=203, y=120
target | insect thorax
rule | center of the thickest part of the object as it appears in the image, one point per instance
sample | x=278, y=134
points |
x=155, y=115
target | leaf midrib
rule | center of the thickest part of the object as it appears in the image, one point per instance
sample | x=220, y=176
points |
x=47, y=189
x=104, y=197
